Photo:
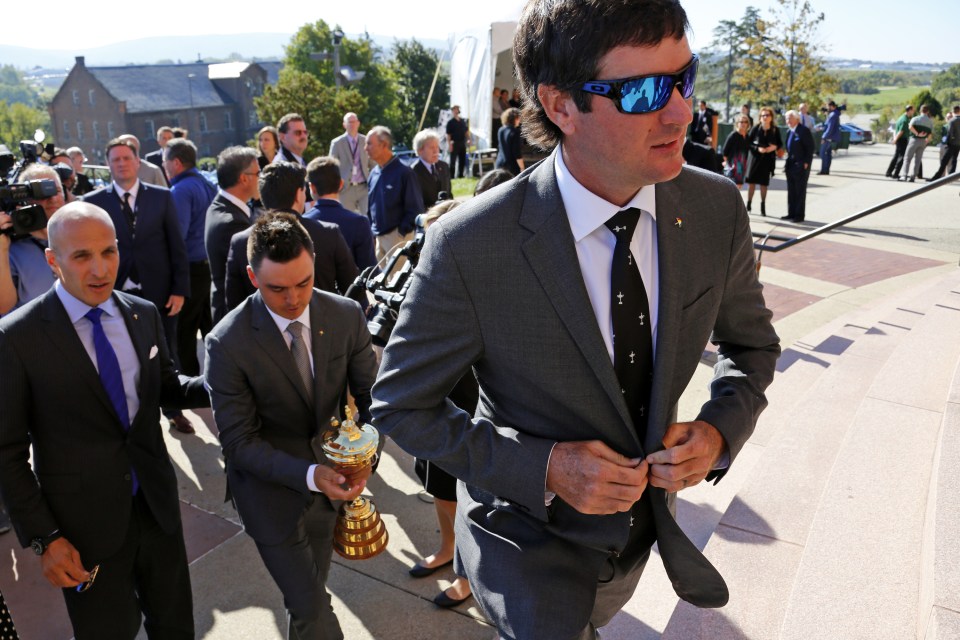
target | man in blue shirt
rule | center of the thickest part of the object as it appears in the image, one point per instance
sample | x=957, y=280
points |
x=326, y=183
x=831, y=137
x=395, y=199
x=192, y=194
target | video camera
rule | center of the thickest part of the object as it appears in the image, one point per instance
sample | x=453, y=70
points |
x=14, y=198
x=388, y=288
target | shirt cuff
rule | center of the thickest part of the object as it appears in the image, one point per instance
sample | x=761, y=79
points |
x=548, y=496
x=310, y=483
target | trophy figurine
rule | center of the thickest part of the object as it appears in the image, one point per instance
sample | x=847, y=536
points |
x=360, y=533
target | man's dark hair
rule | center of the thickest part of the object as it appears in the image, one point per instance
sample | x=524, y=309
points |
x=279, y=183
x=924, y=109
x=561, y=42
x=832, y=104
x=231, y=163
x=324, y=174
x=179, y=132
x=491, y=179
x=120, y=142
x=183, y=150
x=287, y=119
x=278, y=236
x=909, y=107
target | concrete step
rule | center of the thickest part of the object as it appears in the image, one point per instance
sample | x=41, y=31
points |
x=860, y=572
x=759, y=540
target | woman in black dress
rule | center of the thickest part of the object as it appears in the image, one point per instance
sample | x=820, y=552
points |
x=268, y=143
x=764, y=141
x=736, y=149
x=509, y=155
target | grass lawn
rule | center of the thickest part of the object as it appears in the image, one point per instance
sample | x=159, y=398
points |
x=464, y=186
x=888, y=96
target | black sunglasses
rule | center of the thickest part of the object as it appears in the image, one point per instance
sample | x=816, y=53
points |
x=646, y=94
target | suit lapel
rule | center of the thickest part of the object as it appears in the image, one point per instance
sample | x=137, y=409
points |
x=320, y=347
x=552, y=255
x=268, y=337
x=62, y=335
x=141, y=345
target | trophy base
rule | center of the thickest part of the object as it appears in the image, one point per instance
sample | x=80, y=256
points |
x=360, y=533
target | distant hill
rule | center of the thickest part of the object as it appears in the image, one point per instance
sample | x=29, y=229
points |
x=174, y=48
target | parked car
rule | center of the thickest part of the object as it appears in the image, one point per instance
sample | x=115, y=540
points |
x=857, y=134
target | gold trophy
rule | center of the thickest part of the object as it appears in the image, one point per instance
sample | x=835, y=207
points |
x=360, y=533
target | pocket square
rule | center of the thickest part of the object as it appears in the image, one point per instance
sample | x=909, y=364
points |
x=153, y=352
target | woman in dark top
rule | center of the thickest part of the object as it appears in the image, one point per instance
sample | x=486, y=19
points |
x=735, y=150
x=764, y=141
x=509, y=154
x=268, y=143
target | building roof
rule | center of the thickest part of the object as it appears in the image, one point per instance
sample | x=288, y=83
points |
x=163, y=87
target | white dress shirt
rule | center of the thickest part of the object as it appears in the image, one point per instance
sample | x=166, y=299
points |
x=237, y=201
x=134, y=190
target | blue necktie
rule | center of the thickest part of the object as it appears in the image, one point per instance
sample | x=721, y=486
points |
x=110, y=375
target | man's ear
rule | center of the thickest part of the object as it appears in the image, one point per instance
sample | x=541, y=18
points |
x=559, y=107
x=253, y=277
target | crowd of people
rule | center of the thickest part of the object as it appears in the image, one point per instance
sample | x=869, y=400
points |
x=545, y=433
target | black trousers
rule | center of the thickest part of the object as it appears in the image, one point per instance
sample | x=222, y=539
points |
x=458, y=160
x=896, y=164
x=300, y=566
x=148, y=578
x=949, y=159
x=797, y=191
x=193, y=317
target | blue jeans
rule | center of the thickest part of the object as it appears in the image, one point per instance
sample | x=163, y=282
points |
x=825, y=155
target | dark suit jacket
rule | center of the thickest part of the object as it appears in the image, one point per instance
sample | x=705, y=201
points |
x=431, y=186
x=262, y=410
x=354, y=227
x=545, y=376
x=157, y=250
x=334, y=268
x=224, y=220
x=52, y=397
x=799, y=149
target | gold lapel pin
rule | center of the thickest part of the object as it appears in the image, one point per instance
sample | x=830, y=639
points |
x=136, y=317
x=320, y=332
x=678, y=223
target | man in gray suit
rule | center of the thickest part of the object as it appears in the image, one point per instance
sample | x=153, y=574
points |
x=276, y=367
x=570, y=465
x=350, y=151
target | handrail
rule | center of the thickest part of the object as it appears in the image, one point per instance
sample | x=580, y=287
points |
x=790, y=241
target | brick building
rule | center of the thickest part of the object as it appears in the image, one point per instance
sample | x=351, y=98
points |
x=214, y=102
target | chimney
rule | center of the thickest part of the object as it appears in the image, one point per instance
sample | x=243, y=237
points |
x=80, y=62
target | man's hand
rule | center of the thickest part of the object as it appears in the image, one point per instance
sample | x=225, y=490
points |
x=61, y=564
x=174, y=304
x=692, y=450
x=330, y=482
x=593, y=478
x=5, y=223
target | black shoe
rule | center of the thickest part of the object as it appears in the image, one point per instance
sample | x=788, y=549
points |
x=823, y=173
x=763, y=209
x=912, y=180
x=749, y=204
x=791, y=218
x=445, y=601
x=420, y=571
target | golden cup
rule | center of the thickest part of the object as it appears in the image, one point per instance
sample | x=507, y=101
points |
x=359, y=533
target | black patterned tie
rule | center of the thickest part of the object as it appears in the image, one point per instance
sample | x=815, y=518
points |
x=630, y=314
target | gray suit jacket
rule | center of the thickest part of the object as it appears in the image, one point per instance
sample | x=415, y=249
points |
x=498, y=288
x=340, y=149
x=261, y=406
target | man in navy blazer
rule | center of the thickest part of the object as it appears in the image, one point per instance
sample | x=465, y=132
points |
x=153, y=256
x=323, y=175
x=797, y=166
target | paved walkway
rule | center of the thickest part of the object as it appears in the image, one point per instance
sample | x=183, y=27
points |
x=806, y=287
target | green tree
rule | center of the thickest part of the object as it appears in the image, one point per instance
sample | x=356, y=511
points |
x=946, y=79
x=413, y=68
x=782, y=65
x=729, y=45
x=361, y=55
x=19, y=121
x=927, y=98
x=13, y=88
x=321, y=106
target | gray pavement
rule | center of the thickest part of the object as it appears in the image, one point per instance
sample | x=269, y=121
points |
x=236, y=599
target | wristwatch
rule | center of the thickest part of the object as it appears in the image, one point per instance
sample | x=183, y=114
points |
x=39, y=545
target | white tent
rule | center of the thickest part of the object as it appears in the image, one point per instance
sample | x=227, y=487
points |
x=481, y=59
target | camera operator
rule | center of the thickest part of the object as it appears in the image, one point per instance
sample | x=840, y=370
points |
x=24, y=272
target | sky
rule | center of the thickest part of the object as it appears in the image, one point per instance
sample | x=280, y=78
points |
x=869, y=30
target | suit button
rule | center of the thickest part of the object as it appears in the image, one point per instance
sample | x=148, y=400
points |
x=126, y=477
x=614, y=553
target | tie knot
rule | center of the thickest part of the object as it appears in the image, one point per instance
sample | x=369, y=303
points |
x=94, y=315
x=623, y=223
x=295, y=329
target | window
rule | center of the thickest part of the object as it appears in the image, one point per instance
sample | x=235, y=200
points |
x=253, y=119
x=79, y=130
x=110, y=132
x=227, y=121
x=96, y=132
x=76, y=98
x=203, y=122
x=90, y=96
x=149, y=130
x=66, y=129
